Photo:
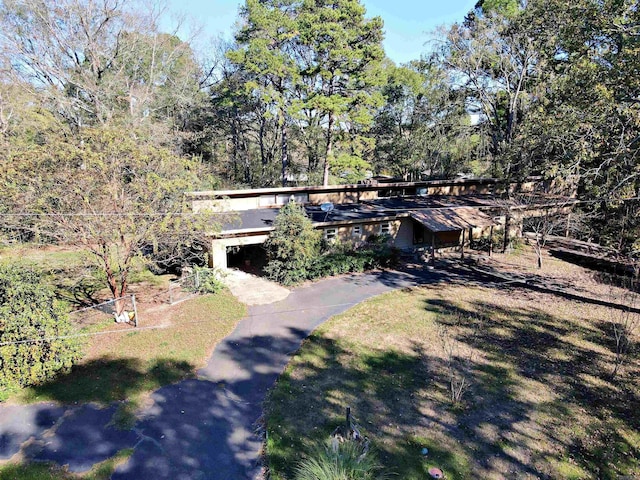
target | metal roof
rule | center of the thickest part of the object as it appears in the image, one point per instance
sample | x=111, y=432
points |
x=451, y=219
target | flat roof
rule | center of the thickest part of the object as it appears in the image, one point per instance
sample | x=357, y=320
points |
x=438, y=213
x=262, y=219
x=451, y=219
x=435, y=201
x=254, y=192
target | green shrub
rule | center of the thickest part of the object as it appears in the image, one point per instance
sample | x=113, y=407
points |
x=28, y=311
x=209, y=280
x=292, y=246
x=296, y=252
x=340, y=259
x=339, y=461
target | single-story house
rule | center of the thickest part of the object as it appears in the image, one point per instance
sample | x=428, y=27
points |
x=427, y=215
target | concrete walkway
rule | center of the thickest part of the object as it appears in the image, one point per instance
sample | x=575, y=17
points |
x=252, y=290
x=204, y=428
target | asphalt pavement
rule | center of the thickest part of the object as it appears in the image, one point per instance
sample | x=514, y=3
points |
x=208, y=427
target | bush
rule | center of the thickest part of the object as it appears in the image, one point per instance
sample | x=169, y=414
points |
x=297, y=253
x=292, y=246
x=339, y=461
x=344, y=258
x=209, y=280
x=29, y=311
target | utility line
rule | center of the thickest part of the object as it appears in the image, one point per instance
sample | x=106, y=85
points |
x=107, y=214
x=161, y=327
x=568, y=201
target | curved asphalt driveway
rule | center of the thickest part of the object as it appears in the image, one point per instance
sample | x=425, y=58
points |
x=204, y=428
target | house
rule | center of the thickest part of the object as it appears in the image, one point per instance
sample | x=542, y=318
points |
x=425, y=215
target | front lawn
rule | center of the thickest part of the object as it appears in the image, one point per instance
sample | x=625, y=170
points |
x=541, y=402
x=171, y=344
x=128, y=365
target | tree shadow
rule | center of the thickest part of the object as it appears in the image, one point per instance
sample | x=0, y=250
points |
x=387, y=390
x=537, y=377
x=566, y=360
x=106, y=380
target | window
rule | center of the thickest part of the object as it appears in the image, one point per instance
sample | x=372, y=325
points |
x=385, y=228
x=356, y=231
x=330, y=234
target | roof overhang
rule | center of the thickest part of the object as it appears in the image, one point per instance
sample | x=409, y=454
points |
x=451, y=219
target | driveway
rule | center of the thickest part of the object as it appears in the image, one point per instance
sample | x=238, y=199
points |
x=207, y=427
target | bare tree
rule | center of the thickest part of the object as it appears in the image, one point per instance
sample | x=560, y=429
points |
x=458, y=356
x=99, y=60
x=625, y=328
x=543, y=213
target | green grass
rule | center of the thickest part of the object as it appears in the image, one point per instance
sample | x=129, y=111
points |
x=46, y=471
x=540, y=402
x=126, y=366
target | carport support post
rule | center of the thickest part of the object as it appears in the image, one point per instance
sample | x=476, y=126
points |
x=462, y=245
x=433, y=249
x=490, y=240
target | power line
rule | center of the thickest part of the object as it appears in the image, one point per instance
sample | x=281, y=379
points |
x=161, y=327
x=109, y=214
x=232, y=213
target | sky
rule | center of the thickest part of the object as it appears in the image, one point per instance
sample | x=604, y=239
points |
x=407, y=23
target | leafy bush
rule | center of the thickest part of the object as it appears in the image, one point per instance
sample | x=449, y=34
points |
x=292, y=246
x=209, y=280
x=28, y=311
x=339, y=461
x=344, y=258
x=297, y=253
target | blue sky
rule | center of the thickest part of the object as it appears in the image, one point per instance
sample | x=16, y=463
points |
x=407, y=22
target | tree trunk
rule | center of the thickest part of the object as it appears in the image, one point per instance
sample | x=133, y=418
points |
x=236, y=147
x=539, y=255
x=507, y=227
x=285, y=153
x=263, y=156
x=325, y=176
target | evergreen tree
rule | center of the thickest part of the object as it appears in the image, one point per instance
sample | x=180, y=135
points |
x=292, y=245
x=342, y=60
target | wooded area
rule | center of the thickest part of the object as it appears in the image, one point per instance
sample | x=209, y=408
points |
x=105, y=119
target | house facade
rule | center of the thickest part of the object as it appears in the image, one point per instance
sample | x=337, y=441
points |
x=428, y=215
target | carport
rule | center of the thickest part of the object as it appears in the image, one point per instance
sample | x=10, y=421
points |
x=450, y=226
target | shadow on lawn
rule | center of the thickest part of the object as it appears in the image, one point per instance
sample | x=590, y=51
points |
x=564, y=358
x=506, y=429
x=107, y=379
x=382, y=387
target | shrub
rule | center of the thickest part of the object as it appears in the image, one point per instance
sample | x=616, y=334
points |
x=292, y=246
x=209, y=280
x=28, y=311
x=345, y=258
x=339, y=461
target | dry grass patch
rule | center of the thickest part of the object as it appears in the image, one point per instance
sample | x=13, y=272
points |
x=541, y=403
x=47, y=471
